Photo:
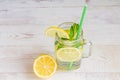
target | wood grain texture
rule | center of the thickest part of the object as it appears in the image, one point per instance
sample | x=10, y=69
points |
x=55, y=3
x=22, y=39
x=63, y=75
x=20, y=59
x=28, y=25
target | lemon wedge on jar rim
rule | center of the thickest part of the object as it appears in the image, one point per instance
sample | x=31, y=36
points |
x=52, y=30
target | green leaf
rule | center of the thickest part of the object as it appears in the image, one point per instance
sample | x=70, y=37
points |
x=60, y=46
x=64, y=38
x=56, y=42
x=78, y=45
x=73, y=31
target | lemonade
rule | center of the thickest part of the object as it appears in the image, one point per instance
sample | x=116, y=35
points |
x=68, y=49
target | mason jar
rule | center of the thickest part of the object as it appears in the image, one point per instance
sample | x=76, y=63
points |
x=69, y=53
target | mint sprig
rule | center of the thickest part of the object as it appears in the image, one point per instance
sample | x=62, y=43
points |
x=73, y=31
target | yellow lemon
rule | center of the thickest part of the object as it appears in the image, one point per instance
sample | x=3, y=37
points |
x=44, y=66
x=51, y=31
x=69, y=54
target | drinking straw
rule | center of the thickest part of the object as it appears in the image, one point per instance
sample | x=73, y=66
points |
x=79, y=30
x=81, y=22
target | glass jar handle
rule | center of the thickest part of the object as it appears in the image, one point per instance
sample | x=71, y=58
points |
x=87, y=49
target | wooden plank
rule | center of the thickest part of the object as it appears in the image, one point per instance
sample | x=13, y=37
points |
x=20, y=59
x=62, y=75
x=102, y=15
x=27, y=26
x=54, y=3
x=34, y=35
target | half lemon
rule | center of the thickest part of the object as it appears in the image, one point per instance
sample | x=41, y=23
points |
x=44, y=66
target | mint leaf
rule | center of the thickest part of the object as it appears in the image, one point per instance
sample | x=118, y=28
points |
x=56, y=42
x=71, y=34
x=73, y=31
x=78, y=45
x=64, y=38
x=60, y=46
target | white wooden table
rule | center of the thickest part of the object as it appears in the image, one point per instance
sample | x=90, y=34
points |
x=22, y=25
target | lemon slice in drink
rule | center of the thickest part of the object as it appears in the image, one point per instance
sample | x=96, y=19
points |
x=68, y=54
x=44, y=66
x=51, y=31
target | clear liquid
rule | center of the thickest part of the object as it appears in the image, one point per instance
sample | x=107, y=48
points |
x=65, y=65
